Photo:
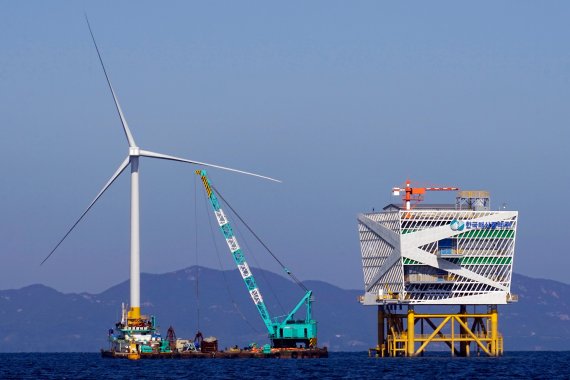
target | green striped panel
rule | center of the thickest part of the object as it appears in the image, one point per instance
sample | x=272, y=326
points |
x=508, y=234
x=468, y=260
x=486, y=260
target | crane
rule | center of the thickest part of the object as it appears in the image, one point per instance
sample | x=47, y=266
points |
x=284, y=332
x=416, y=194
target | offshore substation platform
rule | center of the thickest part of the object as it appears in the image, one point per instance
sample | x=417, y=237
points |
x=436, y=273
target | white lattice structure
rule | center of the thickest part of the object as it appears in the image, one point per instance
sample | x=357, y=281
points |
x=437, y=256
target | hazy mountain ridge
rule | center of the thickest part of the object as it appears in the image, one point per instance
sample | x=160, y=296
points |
x=39, y=318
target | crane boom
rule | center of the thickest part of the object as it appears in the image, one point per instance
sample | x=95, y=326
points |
x=286, y=331
x=237, y=253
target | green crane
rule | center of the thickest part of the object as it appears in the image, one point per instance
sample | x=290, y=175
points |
x=284, y=332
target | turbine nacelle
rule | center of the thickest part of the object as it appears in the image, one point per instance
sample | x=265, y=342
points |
x=134, y=151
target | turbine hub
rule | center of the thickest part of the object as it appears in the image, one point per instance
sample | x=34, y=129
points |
x=134, y=151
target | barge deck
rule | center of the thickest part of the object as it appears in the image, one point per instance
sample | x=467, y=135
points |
x=241, y=354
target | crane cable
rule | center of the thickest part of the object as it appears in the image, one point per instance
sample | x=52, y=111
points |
x=214, y=242
x=268, y=283
x=295, y=279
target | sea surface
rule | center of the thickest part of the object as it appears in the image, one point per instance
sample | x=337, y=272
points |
x=513, y=365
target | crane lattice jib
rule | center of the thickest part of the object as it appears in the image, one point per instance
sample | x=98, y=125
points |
x=237, y=254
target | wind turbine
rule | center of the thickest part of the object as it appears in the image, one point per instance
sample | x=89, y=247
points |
x=133, y=160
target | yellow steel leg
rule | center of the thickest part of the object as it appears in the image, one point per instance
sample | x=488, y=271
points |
x=452, y=337
x=494, y=331
x=411, y=333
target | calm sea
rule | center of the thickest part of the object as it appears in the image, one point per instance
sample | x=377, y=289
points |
x=514, y=365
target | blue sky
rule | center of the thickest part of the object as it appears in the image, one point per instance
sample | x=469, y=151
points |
x=342, y=101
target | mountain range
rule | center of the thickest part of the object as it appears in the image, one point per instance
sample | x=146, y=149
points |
x=37, y=318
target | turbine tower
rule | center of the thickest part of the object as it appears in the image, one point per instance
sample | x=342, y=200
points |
x=133, y=160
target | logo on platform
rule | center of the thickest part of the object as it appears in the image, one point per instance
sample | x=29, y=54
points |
x=457, y=225
x=489, y=225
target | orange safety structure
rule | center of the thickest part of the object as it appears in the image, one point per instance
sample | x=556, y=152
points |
x=416, y=194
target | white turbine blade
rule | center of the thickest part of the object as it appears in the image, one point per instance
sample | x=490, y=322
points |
x=126, y=129
x=146, y=153
x=111, y=180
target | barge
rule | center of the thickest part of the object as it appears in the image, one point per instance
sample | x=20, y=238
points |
x=274, y=353
x=140, y=338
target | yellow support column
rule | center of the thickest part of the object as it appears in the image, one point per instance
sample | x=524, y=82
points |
x=133, y=352
x=452, y=336
x=494, y=331
x=134, y=313
x=411, y=334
